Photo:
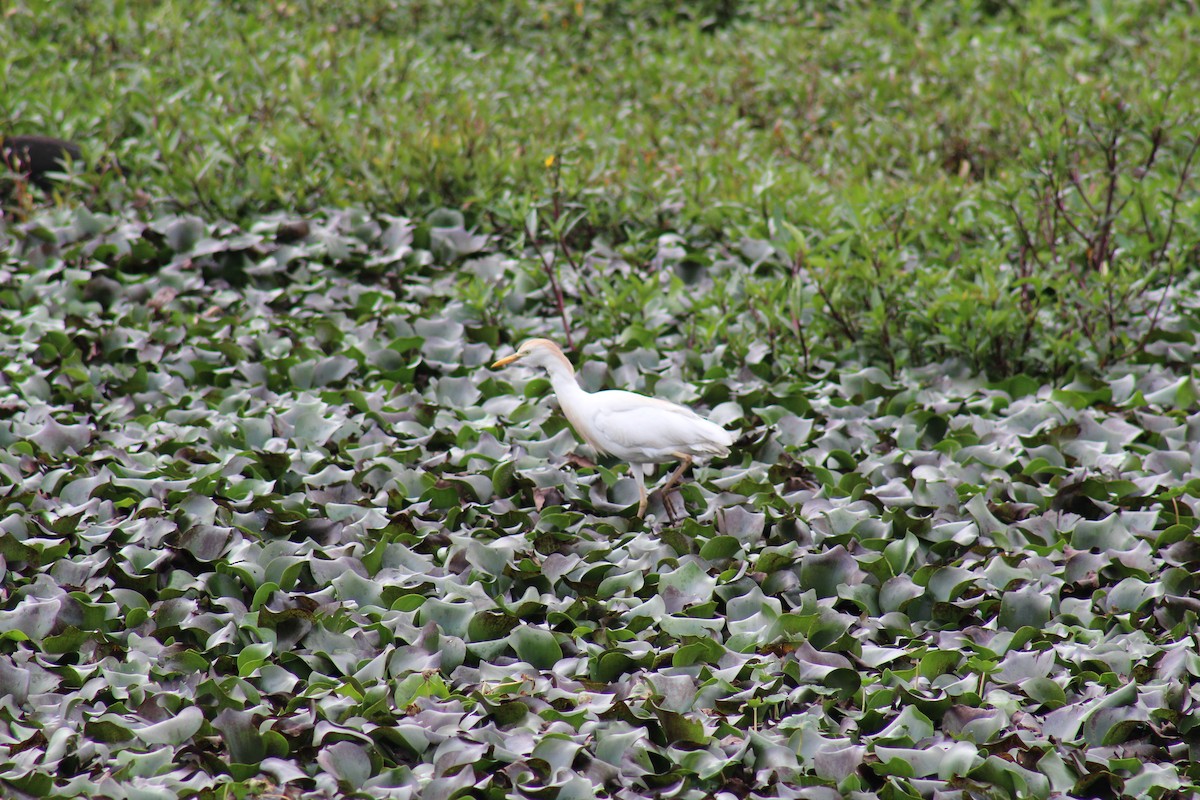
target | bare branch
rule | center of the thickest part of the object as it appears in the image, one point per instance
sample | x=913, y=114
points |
x=1172, y=216
x=550, y=273
x=846, y=327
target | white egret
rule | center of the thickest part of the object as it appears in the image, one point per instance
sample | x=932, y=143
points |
x=632, y=427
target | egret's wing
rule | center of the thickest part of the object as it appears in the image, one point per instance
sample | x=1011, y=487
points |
x=655, y=428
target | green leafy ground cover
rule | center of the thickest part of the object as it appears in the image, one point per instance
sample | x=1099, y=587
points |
x=993, y=182
x=270, y=526
x=269, y=518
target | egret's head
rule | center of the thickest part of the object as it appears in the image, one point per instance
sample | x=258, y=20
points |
x=536, y=353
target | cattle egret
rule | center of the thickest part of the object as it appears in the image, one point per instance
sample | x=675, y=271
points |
x=632, y=427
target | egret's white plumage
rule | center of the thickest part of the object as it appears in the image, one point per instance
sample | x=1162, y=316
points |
x=632, y=427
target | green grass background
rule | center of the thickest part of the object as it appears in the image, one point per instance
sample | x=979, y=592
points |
x=904, y=157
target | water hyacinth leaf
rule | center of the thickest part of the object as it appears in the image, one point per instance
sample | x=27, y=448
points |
x=688, y=627
x=825, y=572
x=577, y=788
x=899, y=553
x=348, y=762
x=418, y=685
x=1132, y=594
x=206, y=542
x=536, y=646
x=1103, y=534
x=510, y=713
x=489, y=625
x=353, y=587
x=1110, y=718
x=173, y=731
x=452, y=618
x=1152, y=778
x=612, y=665
x=56, y=439
x=897, y=761
x=679, y=728
x=673, y=692
x=938, y=662
x=242, y=738
x=1045, y=691
x=109, y=729
x=908, y=728
x=703, y=650
x=687, y=585
x=331, y=370
x=744, y=525
x=70, y=640
x=1011, y=777
x=502, y=478
x=979, y=725
x=947, y=583
x=1027, y=606
x=720, y=547
x=252, y=657
x=620, y=583
x=558, y=752
x=183, y=233
x=283, y=772
x=33, y=619
x=833, y=762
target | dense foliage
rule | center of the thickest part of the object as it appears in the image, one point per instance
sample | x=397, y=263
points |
x=270, y=526
x=995, y=183
x=269, y=518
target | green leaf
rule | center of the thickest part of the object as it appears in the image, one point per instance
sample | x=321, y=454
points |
x=679, y=728
x=1027, y=606
x=241, y=736
x=612, y=665
x=536, y=646
x=175, y=730
x=938, y=662
x=687, y=585
x=1045, y=691
x=825, y=572
x=489, y=625
x=251, y=657
x=719, y=547
x=70, y=640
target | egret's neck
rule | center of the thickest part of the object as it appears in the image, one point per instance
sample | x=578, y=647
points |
x=562, y=378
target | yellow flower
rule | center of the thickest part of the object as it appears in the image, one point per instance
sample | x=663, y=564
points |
x=549, y=161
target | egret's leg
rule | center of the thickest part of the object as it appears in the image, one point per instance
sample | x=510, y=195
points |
x=639, y=475
x=684, y=463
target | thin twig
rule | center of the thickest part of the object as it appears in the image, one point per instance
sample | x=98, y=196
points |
x=1073, y=174
x=1158, y=256
x=1027, y=240
x=1066, y=215
x=887, y=315
x=1100, y=252
x=833, y=312
x=566, y=251
x=561, y=231
x=1172, y=216
x=558, y=296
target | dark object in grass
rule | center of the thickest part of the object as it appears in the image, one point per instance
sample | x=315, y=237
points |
x=37, y=156
x=289, y=232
